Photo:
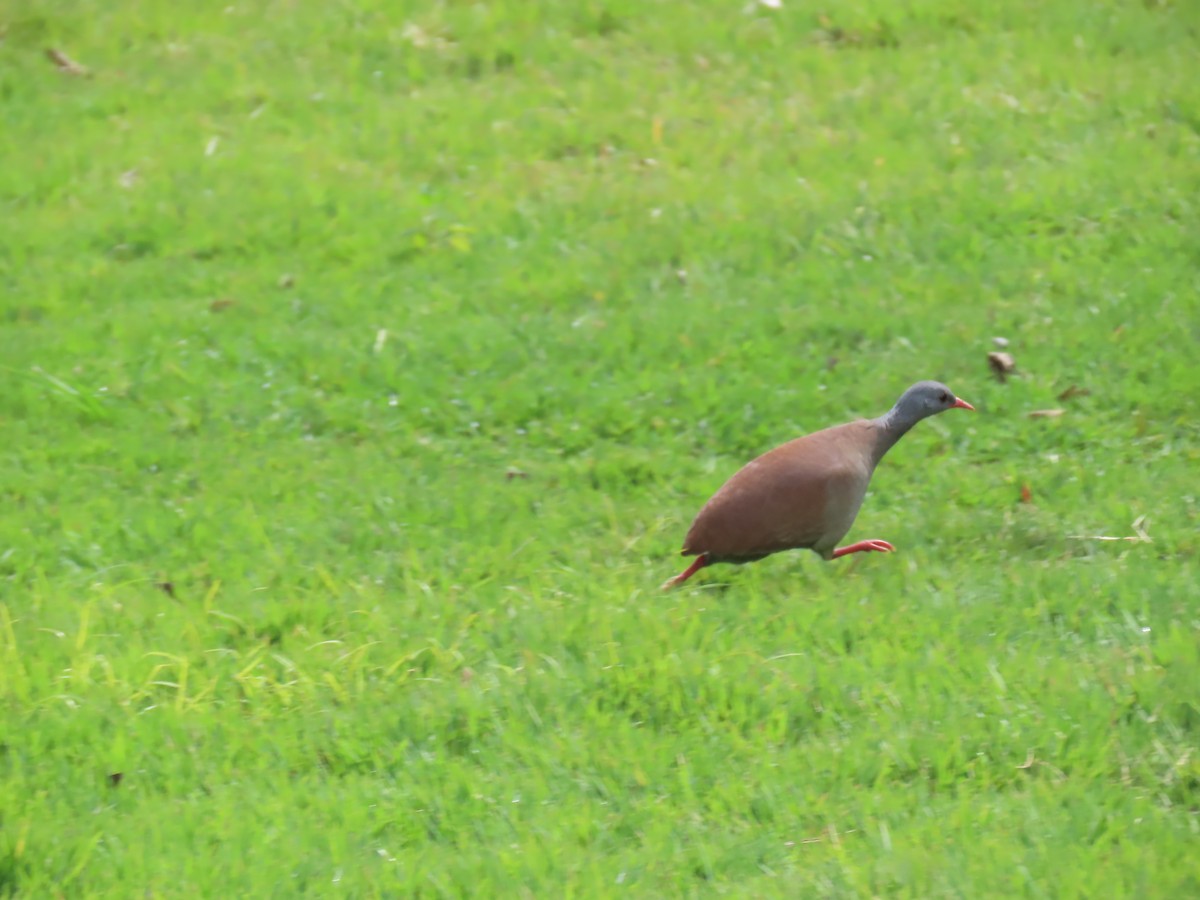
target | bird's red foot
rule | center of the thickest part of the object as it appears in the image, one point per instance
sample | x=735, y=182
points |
x=697, y=564
x=863, y=547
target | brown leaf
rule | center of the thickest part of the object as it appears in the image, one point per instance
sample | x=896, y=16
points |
x=65, y=63
x=1001, y=364
x=1026, y=494
x=221, y=303
x=1045, y=414
x=515, y=473
x=1074, y=391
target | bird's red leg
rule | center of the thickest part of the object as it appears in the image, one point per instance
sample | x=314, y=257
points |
x=863, y=547
x=697, y=564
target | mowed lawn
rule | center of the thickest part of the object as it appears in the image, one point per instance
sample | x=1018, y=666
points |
x=364, y=364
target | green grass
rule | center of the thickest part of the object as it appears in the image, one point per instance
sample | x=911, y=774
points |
x=404, y=340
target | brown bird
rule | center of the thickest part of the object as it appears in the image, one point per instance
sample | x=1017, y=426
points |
x=806, y=493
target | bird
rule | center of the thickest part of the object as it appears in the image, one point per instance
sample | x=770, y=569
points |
x=806, y=493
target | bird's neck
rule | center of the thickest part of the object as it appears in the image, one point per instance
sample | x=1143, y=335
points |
x=889, y=428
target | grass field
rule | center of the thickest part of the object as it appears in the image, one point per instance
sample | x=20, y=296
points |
x=364, y=364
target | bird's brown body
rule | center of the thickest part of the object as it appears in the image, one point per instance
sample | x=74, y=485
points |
x=806, y=493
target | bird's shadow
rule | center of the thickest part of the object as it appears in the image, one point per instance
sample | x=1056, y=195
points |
x=734, y=576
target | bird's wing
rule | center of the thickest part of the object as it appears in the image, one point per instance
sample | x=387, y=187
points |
x=797, y=495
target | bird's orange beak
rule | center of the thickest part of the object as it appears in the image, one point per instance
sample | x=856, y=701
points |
x=960, y=403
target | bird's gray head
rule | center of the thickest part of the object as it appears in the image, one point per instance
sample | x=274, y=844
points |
x=924, y=399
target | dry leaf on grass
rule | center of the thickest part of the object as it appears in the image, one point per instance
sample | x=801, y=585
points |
x=1001, y=364
x=66, y=64
x=1045, y=414
x=1026, y=494
x=1139, y=536
x=221, y=303
x=1074, y=391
